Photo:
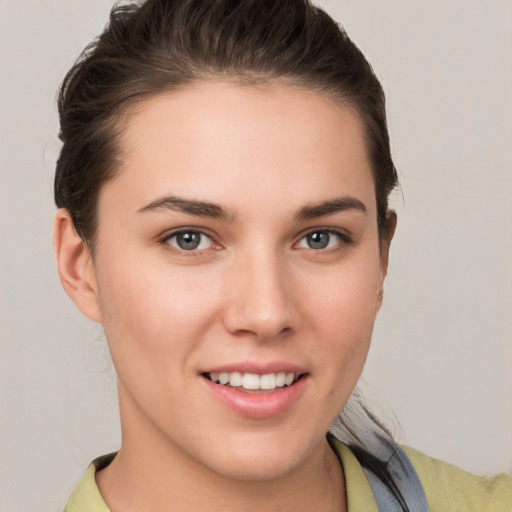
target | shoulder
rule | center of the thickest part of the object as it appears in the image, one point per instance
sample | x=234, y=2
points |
x=86, y=497
x=449, y=488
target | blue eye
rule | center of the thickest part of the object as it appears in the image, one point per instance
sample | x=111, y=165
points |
x=321, y=239
x=190, y=241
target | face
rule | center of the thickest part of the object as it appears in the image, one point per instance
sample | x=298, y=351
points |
x=238, y=271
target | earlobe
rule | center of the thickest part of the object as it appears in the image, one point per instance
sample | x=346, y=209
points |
x=75, y=266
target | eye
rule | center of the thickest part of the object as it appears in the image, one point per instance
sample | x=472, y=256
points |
x=321, y=239
x=189, y=241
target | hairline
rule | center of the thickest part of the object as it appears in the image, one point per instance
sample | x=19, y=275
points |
x=129, y=107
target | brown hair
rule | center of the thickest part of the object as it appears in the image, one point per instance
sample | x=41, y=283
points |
x=163, y=45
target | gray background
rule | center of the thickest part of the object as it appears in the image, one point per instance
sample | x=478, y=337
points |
x=442, y=348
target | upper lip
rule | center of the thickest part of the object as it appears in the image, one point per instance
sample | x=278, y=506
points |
x=258, y=368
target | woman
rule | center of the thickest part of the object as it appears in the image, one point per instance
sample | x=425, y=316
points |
x=223, y=190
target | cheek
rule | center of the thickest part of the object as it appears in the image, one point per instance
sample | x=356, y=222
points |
x=154, y=322
x=152, y=310
x=346, y=298
x=342, y=310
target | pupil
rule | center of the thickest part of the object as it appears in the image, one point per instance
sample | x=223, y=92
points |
x=318, y=240
x=188, y=241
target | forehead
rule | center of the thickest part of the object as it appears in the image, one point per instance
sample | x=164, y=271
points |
x=240, y=143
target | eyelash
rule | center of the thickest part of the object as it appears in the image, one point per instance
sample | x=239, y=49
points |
x=165, y=241
x=345, y=239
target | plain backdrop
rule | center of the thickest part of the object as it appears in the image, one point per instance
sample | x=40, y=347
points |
x=442, y=350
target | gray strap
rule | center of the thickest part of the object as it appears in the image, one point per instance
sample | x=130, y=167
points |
x=407, y=482
x=357, y=428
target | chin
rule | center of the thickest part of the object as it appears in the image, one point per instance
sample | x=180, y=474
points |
x=248, y=470
x=259, y=459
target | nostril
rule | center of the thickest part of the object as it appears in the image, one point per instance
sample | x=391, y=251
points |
x=259, y=300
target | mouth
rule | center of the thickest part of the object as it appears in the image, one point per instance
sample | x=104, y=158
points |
x=257, y=395
x=253, y=382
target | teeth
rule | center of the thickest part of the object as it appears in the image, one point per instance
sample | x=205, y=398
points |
x=235, y=379
x=280, y=379
x=289, y=378
x=268, y=381
x=253, y=381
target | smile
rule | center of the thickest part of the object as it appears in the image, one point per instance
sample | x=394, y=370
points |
x=253, y=381
x=256, y=395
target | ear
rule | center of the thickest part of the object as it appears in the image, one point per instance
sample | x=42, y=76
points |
x=391, y=221
x=387, y=237
x=75, y=266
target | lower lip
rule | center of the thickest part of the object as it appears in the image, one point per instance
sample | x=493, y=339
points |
x=258, y=405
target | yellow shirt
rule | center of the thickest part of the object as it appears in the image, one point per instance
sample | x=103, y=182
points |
x=448, y=488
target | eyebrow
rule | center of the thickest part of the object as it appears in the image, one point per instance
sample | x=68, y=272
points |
x=215, y=211
x=331, y=207
x=192, y=207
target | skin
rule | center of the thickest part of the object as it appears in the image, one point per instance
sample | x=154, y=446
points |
x=253, y=291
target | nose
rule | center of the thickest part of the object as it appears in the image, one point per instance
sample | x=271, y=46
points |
x=262, y=301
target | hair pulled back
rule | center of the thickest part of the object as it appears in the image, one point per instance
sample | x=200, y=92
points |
x=156, y=46
x=163, y=45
